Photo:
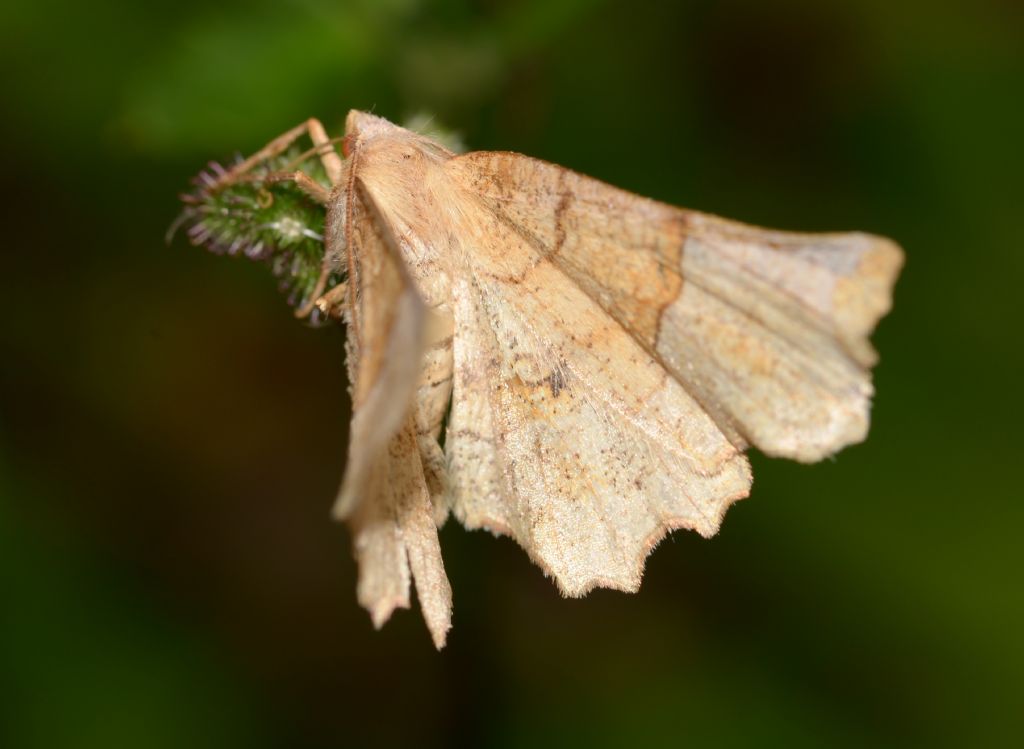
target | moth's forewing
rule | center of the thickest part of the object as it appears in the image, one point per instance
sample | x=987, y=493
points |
x=384, y=494
x=768, y=330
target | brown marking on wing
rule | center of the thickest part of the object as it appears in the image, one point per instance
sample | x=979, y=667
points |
x=564, y=199
x=557, y=382
x=634, y=284
x=674, y=261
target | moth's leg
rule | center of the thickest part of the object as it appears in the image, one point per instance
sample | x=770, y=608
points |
x=332, y=165
x=318, y=291
x=323, y=146
x=325, y=150
x=329, y=303
x=304, y=182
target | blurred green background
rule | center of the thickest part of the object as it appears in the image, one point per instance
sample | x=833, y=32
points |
x=171, y=440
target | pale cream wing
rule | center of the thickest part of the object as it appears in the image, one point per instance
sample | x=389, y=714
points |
x=394, y=535
x=564, y=431
x=386, y=328
x=384, y=494
x=767, y=330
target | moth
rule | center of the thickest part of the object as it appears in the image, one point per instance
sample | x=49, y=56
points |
x=557, y=360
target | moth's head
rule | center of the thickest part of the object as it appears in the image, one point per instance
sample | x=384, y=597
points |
x=362, y=129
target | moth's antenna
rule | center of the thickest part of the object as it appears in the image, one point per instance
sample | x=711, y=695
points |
x=419, y=122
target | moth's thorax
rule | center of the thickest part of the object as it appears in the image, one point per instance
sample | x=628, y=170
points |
x=397, y=178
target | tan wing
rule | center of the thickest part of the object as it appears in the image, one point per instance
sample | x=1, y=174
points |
x=384, y=494
x=565, y=432
x=767, y=330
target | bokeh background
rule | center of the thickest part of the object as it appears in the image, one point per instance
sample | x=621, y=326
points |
x=171, y=440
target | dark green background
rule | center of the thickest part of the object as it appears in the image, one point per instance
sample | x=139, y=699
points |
x=172, y=440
